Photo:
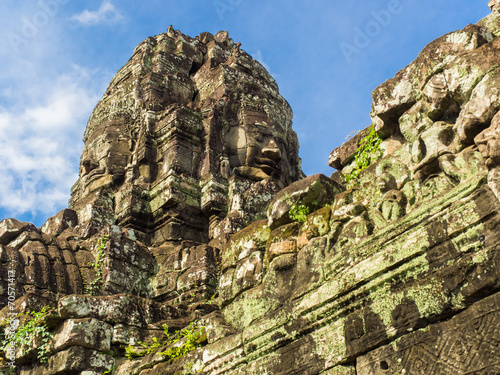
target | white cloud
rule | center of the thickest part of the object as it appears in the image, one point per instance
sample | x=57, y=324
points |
x=45, y=103
x=40, y=146
x=107, y=13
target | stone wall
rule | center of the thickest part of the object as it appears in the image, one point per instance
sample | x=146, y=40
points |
x=386, y=267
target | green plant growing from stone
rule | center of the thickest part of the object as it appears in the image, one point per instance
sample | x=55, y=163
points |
x=131, y=353
x=110, y=371
x=298, y=212
x=95, y=285
x=367, y=153
x=193, y=334
x=213, y=298
x=33, y=329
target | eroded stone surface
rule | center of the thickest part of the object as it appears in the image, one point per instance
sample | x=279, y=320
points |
x=468, y=343
x=63, y=220
x=312, y=192
x=188, y=145
x=88, y=333
x=11, y=228
x=74, y=360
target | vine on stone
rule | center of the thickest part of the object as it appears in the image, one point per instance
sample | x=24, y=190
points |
x=33, y=330
x=367, y=153
x=193, y=334
x=95, y=285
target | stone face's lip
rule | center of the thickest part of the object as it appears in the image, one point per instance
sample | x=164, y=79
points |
x=95, y=175
x=267, y=169
x=268, y=166
x=265, y=161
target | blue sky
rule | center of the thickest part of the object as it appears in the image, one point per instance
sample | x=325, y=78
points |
x=58, y=56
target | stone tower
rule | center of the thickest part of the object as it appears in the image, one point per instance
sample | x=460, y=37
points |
x=189, y=131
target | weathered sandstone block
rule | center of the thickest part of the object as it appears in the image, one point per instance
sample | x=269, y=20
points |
x=313, y=192
x=11, y=228
x=65, y=219
x=88, y=333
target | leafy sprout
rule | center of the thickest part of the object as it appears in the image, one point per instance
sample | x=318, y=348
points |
x=367, y=153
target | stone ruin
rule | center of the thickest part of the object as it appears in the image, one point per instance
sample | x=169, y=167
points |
x=190, y=132
x=191, y=210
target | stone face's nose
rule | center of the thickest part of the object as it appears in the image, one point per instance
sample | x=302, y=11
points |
x=272, y=151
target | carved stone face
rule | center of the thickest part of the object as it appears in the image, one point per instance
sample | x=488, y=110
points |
x=106, y=156
x=488, y=142
x=254, y=147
